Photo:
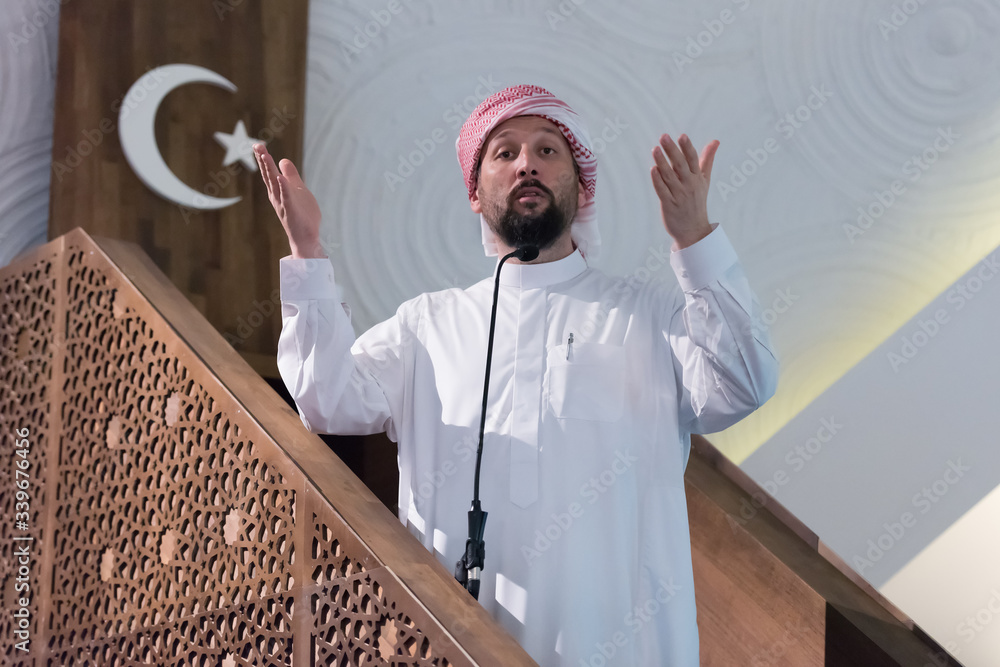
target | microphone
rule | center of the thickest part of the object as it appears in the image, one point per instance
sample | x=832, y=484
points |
x=526, y=253
x=470, y=566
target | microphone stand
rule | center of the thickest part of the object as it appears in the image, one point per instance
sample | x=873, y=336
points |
x=470, y=566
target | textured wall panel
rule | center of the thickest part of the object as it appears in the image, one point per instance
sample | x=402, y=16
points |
x=820, y=107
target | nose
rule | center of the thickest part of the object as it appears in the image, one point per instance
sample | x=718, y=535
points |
x=526, y=164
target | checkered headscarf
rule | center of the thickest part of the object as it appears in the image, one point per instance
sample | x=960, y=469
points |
x=528, y=100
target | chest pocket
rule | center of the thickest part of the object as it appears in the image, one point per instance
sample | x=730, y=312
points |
x=589, y=385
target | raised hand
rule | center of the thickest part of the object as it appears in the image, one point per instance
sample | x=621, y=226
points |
x=295, y=205
x=682, y=183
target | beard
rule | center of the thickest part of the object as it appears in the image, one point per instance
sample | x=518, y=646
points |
x=540, y=228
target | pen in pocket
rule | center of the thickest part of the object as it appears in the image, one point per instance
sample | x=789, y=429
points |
x=569, y=346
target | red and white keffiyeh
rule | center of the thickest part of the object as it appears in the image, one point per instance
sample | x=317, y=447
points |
x=528, y=100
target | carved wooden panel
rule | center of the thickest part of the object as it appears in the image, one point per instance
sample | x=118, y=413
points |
x=28, y=314
x=357, y=619
x=169, y=528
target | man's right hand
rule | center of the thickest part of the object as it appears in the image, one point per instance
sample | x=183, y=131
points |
x=296, y=207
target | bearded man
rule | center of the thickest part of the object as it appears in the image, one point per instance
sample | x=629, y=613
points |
x=596, y=385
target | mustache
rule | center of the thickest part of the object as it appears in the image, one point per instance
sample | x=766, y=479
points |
x=531, y=184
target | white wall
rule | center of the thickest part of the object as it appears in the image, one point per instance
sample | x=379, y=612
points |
x=958, y=572
x=885, y=462
x=28, y=30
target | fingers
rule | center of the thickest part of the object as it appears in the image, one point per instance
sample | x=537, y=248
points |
x=677, y=159
x=267, y=170
x=662, y=191
x=664, y=171
x=681, y=181
x=690, y=154
x=260, y=165
x=259, y=152
x=683, y=159
x=708, y=158
x=284, y=189
x=289, y=170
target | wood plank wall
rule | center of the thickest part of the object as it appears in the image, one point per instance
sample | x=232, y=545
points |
x=224, y=261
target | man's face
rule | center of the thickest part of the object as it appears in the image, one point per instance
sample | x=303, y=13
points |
x=529, y=189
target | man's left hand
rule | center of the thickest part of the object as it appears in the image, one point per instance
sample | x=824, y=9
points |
x=682, y=183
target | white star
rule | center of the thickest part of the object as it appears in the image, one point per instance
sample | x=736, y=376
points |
x=238, y=146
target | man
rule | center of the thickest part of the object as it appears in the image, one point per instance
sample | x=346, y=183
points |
x=595, y=387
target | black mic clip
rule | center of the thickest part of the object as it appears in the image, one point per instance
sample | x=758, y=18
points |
x=470, y=566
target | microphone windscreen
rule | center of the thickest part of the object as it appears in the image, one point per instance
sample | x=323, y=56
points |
x=527, y=253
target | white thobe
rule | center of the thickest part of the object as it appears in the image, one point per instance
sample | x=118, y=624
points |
x=588, y=556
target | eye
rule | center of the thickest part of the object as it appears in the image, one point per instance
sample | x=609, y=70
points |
x=503, y=154
x=550, y=149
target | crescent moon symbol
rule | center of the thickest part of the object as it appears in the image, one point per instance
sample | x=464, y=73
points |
x=136, y=129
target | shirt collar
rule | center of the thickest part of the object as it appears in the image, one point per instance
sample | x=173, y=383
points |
x=532, y=276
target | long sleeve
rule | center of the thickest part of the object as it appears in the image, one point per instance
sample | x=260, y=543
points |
x=336, y=389
x=722, y=350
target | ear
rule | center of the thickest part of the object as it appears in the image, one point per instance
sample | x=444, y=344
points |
x=581, y=196
x=474, y=203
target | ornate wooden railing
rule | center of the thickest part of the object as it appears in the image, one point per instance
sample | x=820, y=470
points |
x=161, y=505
